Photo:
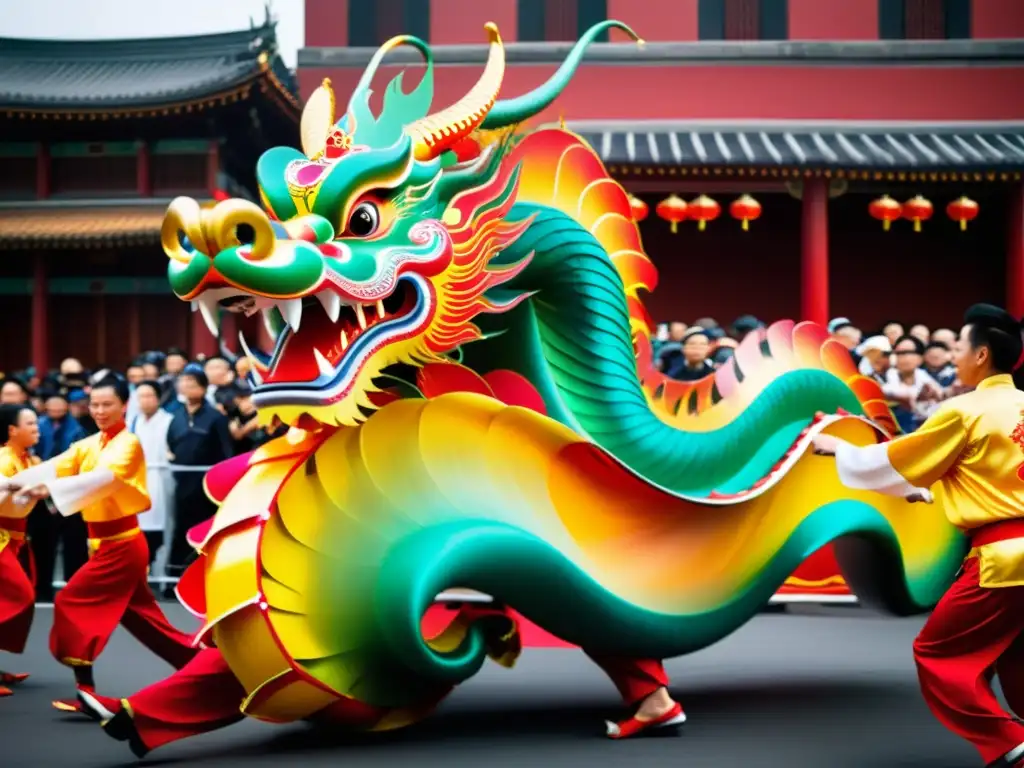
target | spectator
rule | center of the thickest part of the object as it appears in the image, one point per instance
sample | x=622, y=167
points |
x=847, y=334
x=58, y=429
x=914, y=391
x=221, y=375
x=13, y=392
x=707, y=323
x=921, y=332
x=670, y=354
x=244, y=426
x=947, y=337
x=744, y=325
x=695, y=364
x=175, y=362
x=874, y=354
x=892, y=331
x=938, y=364
x=197, y=438
x=49, y=532
x=151, y=424
x=78, y=406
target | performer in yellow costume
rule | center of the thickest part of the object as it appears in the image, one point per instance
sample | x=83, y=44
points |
x=104, y=477
x=19, y=432
x=970, y=453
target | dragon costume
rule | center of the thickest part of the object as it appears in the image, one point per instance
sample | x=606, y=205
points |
x=463, y=355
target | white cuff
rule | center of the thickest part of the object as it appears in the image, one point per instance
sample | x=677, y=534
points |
x=867, y=468
x=72, y=494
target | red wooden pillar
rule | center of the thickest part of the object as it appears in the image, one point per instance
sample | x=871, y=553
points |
x=134, y=327
x=203, y=342
x=212, y=166
x=40, y=315
x=42, y=171
x=142, y=173
x=814, y=252
x=1015, y=253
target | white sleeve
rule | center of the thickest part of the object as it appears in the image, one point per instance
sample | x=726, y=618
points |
x=867, y=468
x=72, y=494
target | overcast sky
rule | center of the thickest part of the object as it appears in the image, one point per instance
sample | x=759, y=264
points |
x=93, y=19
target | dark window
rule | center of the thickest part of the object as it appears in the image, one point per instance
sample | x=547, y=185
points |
x=924, y=19
x=561, y=19
x=372, y=23
x=19, y=177
x=591, y=12
x=177, y=173
x=743, y=19
x=94, y=174
x=530, y=20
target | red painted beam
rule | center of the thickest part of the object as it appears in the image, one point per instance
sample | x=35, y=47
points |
x=602, y=92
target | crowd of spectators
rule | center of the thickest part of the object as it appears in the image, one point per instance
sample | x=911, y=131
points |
x=191, y=414
x=913, y=366
x=188, y=414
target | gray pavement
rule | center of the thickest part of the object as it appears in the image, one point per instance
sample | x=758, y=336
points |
x=815, y=689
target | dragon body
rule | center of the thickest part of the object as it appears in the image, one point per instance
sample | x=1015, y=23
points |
x=464, y=357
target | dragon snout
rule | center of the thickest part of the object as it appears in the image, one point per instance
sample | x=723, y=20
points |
x=188, y=228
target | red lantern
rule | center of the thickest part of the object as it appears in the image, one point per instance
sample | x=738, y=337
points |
x=673, y=210
x=963, y=210
x=702, y=210
x=745, y=209
x=918, y=209
x=886, y=210
x=638, y=207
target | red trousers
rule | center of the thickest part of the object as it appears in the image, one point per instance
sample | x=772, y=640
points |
x=17, y=599
x=204, y=695
x=112, y=588
x=973, y=634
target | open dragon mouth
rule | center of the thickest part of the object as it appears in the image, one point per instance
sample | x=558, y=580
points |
x=327, y=340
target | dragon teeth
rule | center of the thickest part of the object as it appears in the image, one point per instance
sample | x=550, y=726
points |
x=325, y=368
x=291, y=311
x=344, y=341
x=210, y=311
x=360, y=316
x=380, y=309
x=331, y=303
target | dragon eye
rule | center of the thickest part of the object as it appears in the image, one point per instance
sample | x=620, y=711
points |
x=364, y=220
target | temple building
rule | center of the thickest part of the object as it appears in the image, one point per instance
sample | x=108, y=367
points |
x=814, y=121
x=97, y=138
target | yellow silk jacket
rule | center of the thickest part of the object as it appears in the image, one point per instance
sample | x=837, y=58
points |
x=10, y=465
x=121, y=455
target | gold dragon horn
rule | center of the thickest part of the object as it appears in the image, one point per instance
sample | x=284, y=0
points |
x=435, y=133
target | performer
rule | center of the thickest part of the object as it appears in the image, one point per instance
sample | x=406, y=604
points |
x=972, y=451
x=104, y=477
x=19, y=431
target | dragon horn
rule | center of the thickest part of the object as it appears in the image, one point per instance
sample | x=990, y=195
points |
x=516, y=110
x=363, y=87
x=433, y=134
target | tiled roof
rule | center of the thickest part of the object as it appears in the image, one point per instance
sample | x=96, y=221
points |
x=876, y=146
x=109, y=74
x=80, y=227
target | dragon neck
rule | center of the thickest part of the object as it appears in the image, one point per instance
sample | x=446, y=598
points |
x=572, y=340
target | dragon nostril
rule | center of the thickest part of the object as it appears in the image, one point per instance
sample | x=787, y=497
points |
x=245, y=233
x=184, y=241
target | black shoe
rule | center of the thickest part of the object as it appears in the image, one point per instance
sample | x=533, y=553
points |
x=122, y=728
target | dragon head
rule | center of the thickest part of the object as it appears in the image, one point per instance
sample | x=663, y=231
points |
x=371, y=248
x=374, y=245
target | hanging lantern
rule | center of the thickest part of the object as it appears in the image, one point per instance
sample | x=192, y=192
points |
x=886, y=210
x=963, y=210
x=918, y=209
x=673, y=209
x=746, y=209
x=638, y=207
x=702, y=210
